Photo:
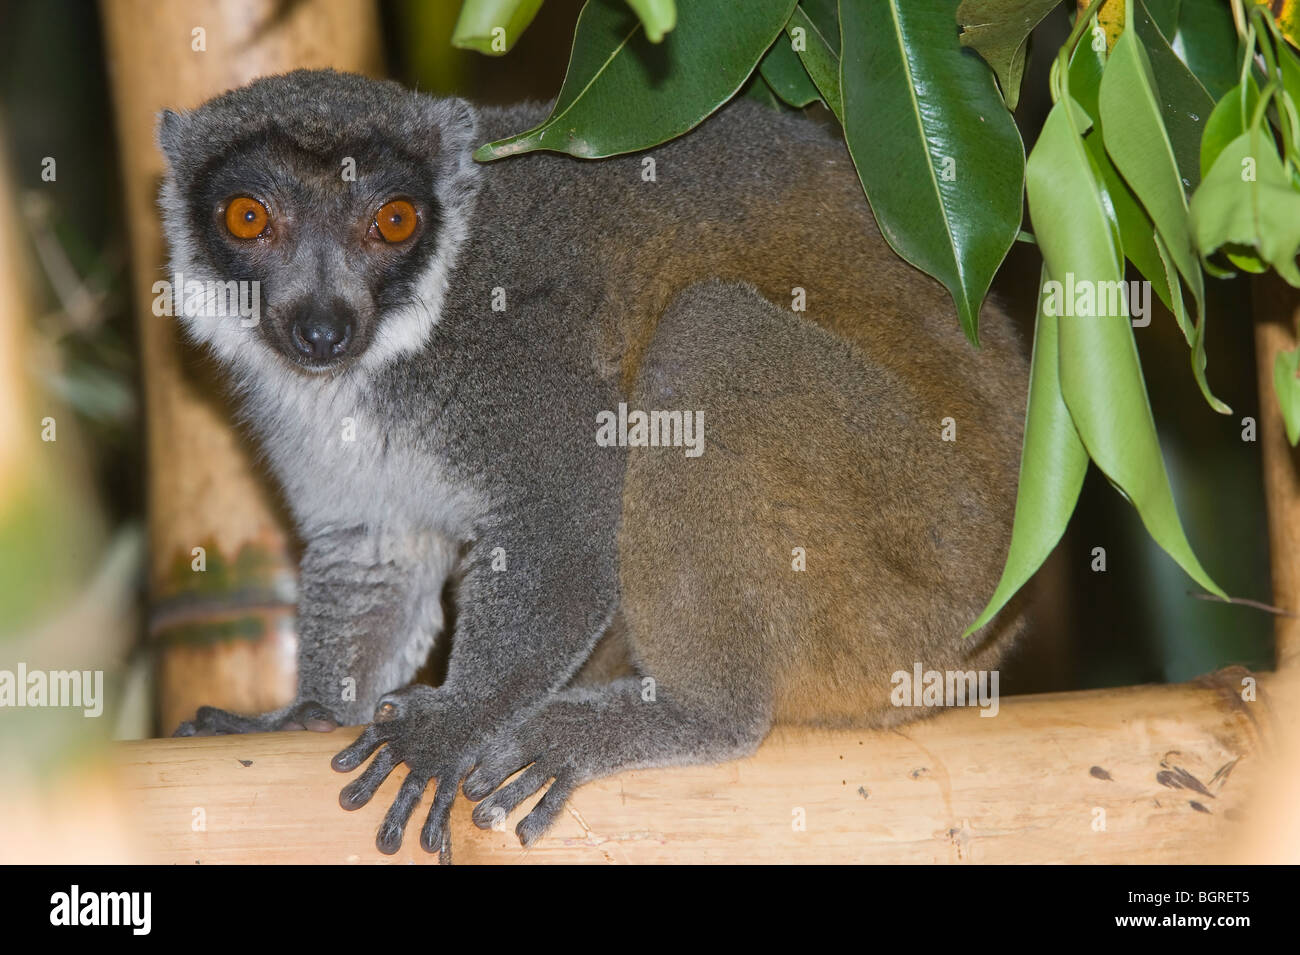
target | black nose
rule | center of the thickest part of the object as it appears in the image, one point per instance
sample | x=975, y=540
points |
x=323, y=331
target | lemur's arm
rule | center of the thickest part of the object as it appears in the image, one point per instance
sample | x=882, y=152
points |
x=528, y=615
x=368, y=613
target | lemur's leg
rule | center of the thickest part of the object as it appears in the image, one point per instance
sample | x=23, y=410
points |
x=585, y=733
x=704, y=609
x=368, y=612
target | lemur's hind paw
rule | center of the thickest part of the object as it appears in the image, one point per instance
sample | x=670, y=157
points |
x=210, y=721
x=556, y=761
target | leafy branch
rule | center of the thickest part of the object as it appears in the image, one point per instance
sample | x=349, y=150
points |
x=1172, y=148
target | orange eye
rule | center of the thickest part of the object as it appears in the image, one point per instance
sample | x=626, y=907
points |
x=246, y=218
x=396, y=220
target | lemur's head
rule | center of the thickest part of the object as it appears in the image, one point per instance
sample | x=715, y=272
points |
x=343, y=198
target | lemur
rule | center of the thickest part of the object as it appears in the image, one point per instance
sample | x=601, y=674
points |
x=488, y=372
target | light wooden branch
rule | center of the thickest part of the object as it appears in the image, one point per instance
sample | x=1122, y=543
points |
x=1166, y=770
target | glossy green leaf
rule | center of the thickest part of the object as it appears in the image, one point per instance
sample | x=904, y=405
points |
x=1165, y=14
x=1053, y=463
x=1289, y=66
x=493, y=26
x=1231, y=118
x=758, y=90
x=622, y=93
x=1289, y=97
x=1194, y=332
x=826, y=15
x=1184, y=103
x=1137, y=143
x=785, y=74
x=1137, y=231
x=1176, y=304
x=658, y=17
x=938, y=154
x=999, y=31
x=1209, y=43
x=1101, y=377
x=1248, y=200
x=1286, y=385
x=819, y=51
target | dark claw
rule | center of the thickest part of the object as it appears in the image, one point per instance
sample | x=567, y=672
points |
x=354, y=755
x=389, y=839
x=534, y=825
x=434, y=835
x=359, y=792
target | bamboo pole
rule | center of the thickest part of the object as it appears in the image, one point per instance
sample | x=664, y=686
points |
x=1143, y=774
x=225, y=631
x=1277, y=314
x=1275, y=834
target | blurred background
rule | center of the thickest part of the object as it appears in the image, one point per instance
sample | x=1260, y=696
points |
x=80, y=584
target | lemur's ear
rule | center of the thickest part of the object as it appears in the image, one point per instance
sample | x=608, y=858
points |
x=171, y=127
x=451, y=124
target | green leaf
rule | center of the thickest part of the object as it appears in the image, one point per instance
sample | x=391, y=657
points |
x=826, y=15
x=1289, y=74
x=999, y=31
x=758, y=90
x=1248, y=200
x=1231, y=118
x=1184, y=104
x=1193, y=331
x=1289, y=67
x=1136, y=140
x=1052, y=467
x=1286, y=384
x=622, y=93
x=938, y=154
x=493, y=26
x=1209, y=43
x=1101, y=377
x=658, y=17
x=1137, y=231
x=819, y=51
x=1164, y=13
x=1176, y=304
x=785, y=73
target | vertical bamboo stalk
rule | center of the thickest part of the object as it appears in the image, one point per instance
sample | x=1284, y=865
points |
x=1277, y=310
x=225, y=635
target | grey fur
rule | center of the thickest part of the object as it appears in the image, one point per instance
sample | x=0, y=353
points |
x=475, y=431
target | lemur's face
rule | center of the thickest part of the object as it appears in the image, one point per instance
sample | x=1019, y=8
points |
x=332, y=203
x=335, y=242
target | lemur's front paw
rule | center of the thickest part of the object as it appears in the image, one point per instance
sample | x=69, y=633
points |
x=210, y=721
x=425, y=731
x=554, y=760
